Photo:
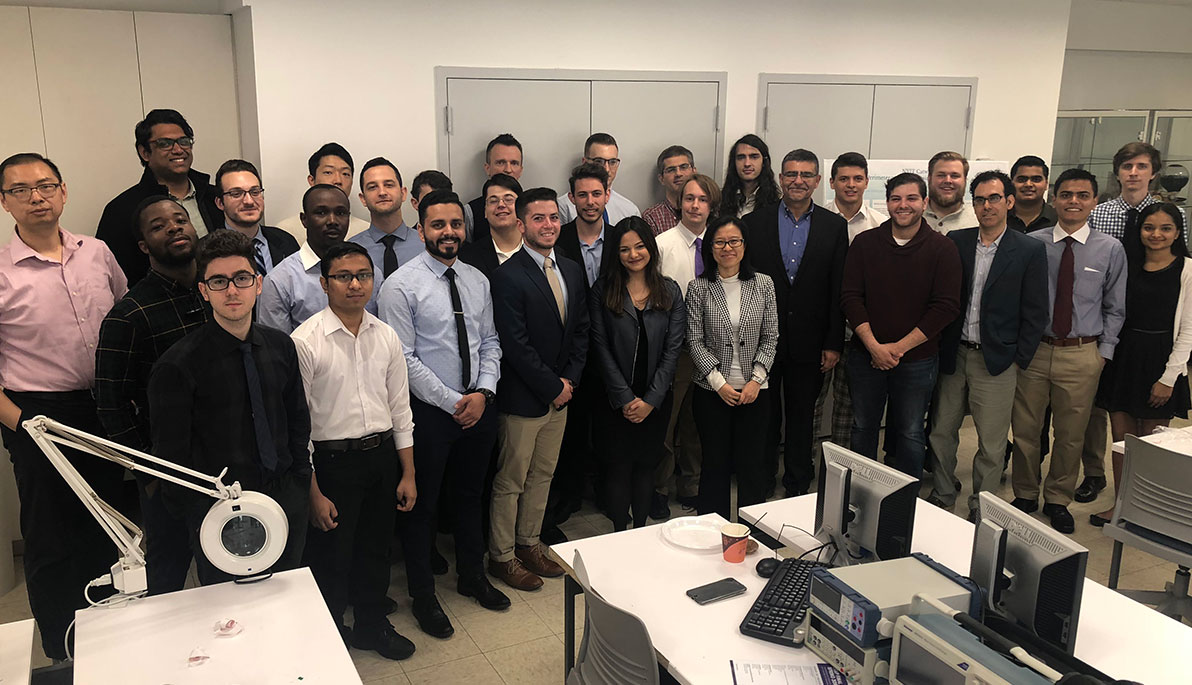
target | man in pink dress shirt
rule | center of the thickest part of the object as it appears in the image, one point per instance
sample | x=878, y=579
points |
x=55, y=289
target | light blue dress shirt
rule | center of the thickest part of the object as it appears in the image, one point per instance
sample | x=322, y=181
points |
x=261, y=246
x=540, y=260
x=416, y=301
x=592, y=254
x=792, y=238
x=407, y=246
x=982, y=261
x=292, y=293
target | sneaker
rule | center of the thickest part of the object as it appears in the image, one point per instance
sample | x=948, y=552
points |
x=1061, y=520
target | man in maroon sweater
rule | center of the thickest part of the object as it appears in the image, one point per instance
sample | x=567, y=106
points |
x=901, y=289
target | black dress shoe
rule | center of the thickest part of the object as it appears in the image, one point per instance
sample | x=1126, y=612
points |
x=552, y=536
x=1098, y=520
x=659, y=507
x=390, y=605
x=1061, y=520
x=1089, y=488
x=1026, y=506
x=690, y=502
x=345, y=633
x=384, y=641
x=431, y=618
x=483, y=592
x=438, y=564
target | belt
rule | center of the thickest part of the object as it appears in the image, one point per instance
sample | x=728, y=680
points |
x=364, y=444
x=1069, y=342
x=971, y=345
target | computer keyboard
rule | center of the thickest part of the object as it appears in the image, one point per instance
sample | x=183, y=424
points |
x=782, y=604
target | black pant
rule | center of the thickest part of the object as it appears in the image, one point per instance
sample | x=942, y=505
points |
x=446, y=455
x=582, y=443
x=795, y=386
x=351, y=561
x=64, y=546
x=634, y=450
x=167, y=544
x=732, y=439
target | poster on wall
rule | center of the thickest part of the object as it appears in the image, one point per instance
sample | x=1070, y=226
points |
x=881, y=170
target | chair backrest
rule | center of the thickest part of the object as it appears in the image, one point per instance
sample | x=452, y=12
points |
x=616, y=648
x=1155, y=497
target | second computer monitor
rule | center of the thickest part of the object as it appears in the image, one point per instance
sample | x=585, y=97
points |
x=865, y=508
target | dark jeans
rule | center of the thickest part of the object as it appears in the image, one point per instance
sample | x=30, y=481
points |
x=634, y=450
x=351, y=561
x=167, y=544
x=446, y=456
x=64, y=546
x=908, y=388
x=794, y=386
x=732, y=439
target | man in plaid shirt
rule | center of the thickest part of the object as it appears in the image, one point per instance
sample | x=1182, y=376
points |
x=676, y=166
x=156, y=313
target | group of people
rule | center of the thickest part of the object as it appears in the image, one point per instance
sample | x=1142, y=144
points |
x=474, y=373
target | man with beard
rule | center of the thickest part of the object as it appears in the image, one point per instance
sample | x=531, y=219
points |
x=601, y=149
x=1031, y=210
x=291, y=293
x=389, y=241
x=500, y=196
x=241, y=197
x=156, y=313
x=947, y=173
x=442, y=311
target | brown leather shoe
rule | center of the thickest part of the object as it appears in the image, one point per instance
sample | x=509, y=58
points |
x=536, y=560
x=514, y=574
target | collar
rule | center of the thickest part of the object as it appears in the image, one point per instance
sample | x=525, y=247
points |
x=166, y=282
x=402, y=232
x=1081, y=235
x=197, y=180
x=1119, y=203
x=599, y=239
x=510, y=253
x=539, y=258
x=21, y=251
x=258, y=237
x=861, y=214
x=308, y=257
x=996, y=242
x=435, y=266
x=797, y=219
x=332, y=323
x=933, y=213
x=227, y=342
x=688, y=236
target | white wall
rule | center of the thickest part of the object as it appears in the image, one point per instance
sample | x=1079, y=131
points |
x=362, y=72
x=1135, y=26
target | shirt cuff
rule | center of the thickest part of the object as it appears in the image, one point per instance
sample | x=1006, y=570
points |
x=403, y=439
x=488, y=381
x=449, y=400
x=1106, y=350
x=716, y=380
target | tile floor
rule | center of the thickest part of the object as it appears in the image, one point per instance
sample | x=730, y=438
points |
x=524, y=645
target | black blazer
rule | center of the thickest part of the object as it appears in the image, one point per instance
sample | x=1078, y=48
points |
x=281, y=243
x=568, y=246
x=810, y=319
x=614, y=344
x=537, y=348
x=1014, y=303
x=480, y=229
x=482, y=255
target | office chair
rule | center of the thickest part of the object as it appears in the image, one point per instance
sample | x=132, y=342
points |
x=616, y=648
x=1154, y=514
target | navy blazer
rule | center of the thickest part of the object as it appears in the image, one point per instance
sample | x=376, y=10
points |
x=1014, y=303
x=614, y=344
x=482, y=255
x=537, y=349
x=281, y=243
x=567, y=245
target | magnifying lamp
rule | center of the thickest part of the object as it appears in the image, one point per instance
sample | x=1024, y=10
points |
x=242, y=534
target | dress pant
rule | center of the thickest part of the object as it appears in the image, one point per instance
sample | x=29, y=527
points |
x=989, y=399
x=351, y=561
x=447, y=458
x=904, y=393
x=582, y=443
x=682, y=445
x=529, y=451
x=167, y=544
x=733, y=439
x=634, y=452
x=795, y=386
x=64, y=546
x=1096, y=438
x=1068, y=378
x=842, y=403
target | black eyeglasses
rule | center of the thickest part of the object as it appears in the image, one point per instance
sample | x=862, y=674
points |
x=991, y=200
x=672, y=169
x=240, y=279
x=23, y=193
x=167, y=143
x=362, y=276
x=734, y=243
x=237, y=193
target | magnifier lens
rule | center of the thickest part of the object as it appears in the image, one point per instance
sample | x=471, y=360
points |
x=243, y=536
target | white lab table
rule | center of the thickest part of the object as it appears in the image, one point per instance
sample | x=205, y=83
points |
x=16, y=652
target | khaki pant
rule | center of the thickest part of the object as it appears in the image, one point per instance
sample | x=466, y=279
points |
x=682, y=439
x=990, y=400
x=1067, y=377
x=529, y=452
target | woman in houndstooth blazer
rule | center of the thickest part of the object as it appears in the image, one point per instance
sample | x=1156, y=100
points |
x=732, y=335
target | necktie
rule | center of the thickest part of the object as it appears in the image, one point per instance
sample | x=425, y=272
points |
x=461, y=331
x=259, y=257
x=699, y=257
x=1061, y=317
x=553, y=280
x=265, y=448
x=390, y=263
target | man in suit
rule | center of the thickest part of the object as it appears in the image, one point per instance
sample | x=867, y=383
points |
x=541, y=313
x=502, y=156
x=500, y=196
x=241, y=198
x=801, y=246
x=1004, y=305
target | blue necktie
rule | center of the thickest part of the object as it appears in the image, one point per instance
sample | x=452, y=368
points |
x=266, y=451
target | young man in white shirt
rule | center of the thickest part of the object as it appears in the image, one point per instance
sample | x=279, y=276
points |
x=601, y=148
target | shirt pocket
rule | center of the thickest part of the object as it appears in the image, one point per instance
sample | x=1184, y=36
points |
x=1090, y=282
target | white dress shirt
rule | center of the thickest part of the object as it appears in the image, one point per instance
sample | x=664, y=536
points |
x=866, y=218
x=676, y=252
x=356, y=385
x=618, y=208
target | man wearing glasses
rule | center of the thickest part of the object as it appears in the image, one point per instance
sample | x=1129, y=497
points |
x=801, y=246
x=57, y=286
x=165, y=146
x=229, y=395
x=676, y=166
x=500, y=196
x=601, y=149
x=241, y=198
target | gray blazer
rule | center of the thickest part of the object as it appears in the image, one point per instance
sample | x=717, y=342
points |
x=710, y=334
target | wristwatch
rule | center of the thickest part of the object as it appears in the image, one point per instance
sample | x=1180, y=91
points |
x=489, y=396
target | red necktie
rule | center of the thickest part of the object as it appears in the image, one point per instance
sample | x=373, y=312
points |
x=1061, y=317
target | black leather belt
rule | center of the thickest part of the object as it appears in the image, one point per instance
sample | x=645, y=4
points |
x=971, y=345
x=364, y=444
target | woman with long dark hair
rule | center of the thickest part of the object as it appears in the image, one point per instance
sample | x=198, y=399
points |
x=1144, y=386
x=638, y=324
x=749, y=181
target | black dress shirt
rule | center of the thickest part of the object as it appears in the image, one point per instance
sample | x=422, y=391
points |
x=1046, y=219
x=155, y=313
x=201, y=412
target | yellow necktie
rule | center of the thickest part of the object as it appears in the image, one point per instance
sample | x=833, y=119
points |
x=553, y=280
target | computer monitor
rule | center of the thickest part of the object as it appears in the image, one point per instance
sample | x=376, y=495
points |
x=865, y=508
x=1032, y=576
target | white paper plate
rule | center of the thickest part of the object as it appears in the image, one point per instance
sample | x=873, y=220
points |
x=695, y=533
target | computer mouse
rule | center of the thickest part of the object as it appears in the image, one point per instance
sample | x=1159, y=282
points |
x=767, y=566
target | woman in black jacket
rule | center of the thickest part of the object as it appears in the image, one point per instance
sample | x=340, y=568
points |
x=638, y=324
